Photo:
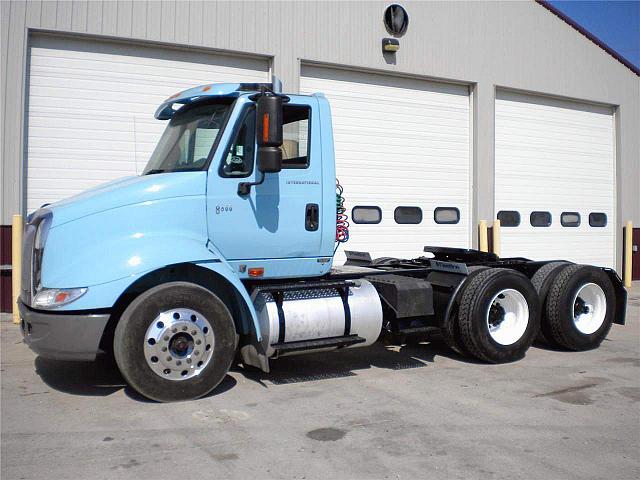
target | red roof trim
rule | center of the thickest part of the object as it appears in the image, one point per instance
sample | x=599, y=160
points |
x=590, y=36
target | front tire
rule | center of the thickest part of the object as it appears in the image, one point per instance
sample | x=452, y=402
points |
x=175, y=342
x=499, y=315
x=580, y=307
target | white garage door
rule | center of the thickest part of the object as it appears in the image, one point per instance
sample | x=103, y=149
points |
x=91, y=106
x=399, y=143
x=557, y=158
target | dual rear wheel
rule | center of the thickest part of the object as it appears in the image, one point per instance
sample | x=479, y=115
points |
x=500, y=312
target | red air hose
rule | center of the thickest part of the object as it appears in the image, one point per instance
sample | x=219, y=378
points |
x=342, y=220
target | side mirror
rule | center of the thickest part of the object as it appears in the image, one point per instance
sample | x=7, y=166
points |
x=269, y=132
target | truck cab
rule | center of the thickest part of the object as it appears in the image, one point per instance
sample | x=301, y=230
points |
x=225, y=243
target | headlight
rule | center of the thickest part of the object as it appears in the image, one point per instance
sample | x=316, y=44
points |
x=40, y=240
x=56, y=297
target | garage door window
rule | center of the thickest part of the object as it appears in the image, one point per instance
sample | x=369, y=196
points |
x=570, y=219
x=509, y=218
x=540, y=219
x=363, y=214
x=295, y=145
x=598, y=219
x=446, y=215
x=412, y=215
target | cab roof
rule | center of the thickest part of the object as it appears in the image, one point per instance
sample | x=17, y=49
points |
x=233, y=90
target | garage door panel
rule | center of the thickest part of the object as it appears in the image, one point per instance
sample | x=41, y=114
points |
x=554, y=155
x=399, y=142
x=91, y=106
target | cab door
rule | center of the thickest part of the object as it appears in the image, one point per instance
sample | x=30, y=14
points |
x=279, y=219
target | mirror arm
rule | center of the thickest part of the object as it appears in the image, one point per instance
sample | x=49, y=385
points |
x=244, y=188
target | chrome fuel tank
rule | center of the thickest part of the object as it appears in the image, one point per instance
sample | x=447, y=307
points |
x=319, y=313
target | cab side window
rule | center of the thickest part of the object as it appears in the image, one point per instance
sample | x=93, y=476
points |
x=239, y=159
x=295, y=132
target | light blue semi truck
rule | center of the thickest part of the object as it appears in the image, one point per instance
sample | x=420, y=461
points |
x=223, y=248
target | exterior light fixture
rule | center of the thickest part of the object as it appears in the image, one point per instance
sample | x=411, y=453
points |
x=396, y=21
x=390, y=45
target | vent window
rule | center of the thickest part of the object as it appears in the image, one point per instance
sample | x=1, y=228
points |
x=509, y=218
x=412, y=215
x=570, y=219
x=598, y=219
x=362, y=214
x=540, y=219
x=446, y=215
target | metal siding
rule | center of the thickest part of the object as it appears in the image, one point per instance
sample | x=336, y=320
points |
x=49, y=15
x=139, y=19
x=13, y=102
x=79, y=16
x=195, y=22
x=517, y=45
x=125, y=18
x=168, y=23
x=558, y=157
x=109, y=18
x=154, y=20
x=63, y=15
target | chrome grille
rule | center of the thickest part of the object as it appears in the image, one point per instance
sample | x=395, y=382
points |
x=28, y=237
x=27, y=286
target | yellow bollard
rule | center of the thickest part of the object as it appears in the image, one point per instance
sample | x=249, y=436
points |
x=483, y=239
x=16, y=264
x=496, y=237
x=628, y=245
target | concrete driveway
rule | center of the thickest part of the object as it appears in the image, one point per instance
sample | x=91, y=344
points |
x=382, y=412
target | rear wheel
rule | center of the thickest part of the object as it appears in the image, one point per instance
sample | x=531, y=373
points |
x=175, y=342
x=580, y=307
x=542, y=281
x=450, y=328
x=499, y=315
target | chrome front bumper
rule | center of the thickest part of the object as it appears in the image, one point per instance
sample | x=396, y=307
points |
x=62, y=336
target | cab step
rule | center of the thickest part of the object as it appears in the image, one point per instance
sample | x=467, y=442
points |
x=299, y=346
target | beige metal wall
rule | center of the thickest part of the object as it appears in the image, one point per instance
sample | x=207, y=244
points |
x=517, y=45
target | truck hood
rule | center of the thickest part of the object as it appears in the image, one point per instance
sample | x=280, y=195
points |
x=128, y=191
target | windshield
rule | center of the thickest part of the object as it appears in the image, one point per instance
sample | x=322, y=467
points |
x=188, y=139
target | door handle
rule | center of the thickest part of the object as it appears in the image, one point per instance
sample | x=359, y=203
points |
x=312, y=217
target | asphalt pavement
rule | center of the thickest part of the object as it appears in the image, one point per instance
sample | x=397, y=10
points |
x=415, y=411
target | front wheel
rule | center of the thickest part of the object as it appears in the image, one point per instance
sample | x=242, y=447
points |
x=175, y=342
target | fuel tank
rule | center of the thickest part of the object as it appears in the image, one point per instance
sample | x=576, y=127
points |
x=319, y=313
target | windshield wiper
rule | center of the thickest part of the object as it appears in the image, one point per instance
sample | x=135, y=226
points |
x=155, y=170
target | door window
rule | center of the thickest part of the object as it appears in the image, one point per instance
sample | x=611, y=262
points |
x=295, y=132
x=239, y=158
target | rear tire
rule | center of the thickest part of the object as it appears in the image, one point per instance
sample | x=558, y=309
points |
x=499, y=315
x=580, y=307
x=542, y=281
x=167, y=361
x=450, y=328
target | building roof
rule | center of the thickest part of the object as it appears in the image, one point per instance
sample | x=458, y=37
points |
x=590, y=36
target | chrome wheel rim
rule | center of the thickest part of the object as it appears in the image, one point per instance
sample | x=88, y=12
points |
x=507, y=316
x=589, y=308
x=179, y=344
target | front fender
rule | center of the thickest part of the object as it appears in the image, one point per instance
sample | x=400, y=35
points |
x=125, y=242
x=109, y=251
